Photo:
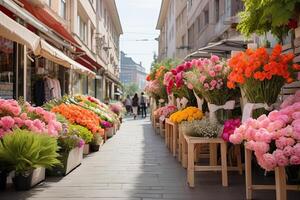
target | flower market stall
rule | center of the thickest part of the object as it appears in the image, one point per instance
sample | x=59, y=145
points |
x=53, y=137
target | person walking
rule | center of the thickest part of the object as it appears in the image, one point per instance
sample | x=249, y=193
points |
x=135, y=104
x=128, y=104
x=143, y=105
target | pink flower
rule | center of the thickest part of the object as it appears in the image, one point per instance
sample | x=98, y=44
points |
x=24, y=116
x=215, y=58
x=263, y=135
x=213, y=83
x=190, y=86
x=261, y=147
x=288, y=151
x=212, y=73
x=19, y=121
x=280, y=158
x=267, y=161
x=236, y=138
x=174, y=71
x=297, y=149
x=296, y=115
x=7, y=122
x=281, y=143
x=218, y=68
x=202, y=78
x=206, y=85
x=295, y=160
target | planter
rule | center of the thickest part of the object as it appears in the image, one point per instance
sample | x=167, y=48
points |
x=94, y=147
x=70, y=161
x=86, y=149
x=26, y=181
x=109, y=132
x=3, y=180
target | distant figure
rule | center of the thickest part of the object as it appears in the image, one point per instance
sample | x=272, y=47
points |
x=135, y=104
x=128, y=104
x=143, y=105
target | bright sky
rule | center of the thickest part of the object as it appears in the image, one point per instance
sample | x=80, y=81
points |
x=139, y=18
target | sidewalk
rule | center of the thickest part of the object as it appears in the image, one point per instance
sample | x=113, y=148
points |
x=135, y=165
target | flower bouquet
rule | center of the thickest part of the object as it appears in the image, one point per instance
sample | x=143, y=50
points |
x=261, y=75
x=187, y=114
x=201, y=128
x=209, y=78
x=273, y=138
x=165, y=112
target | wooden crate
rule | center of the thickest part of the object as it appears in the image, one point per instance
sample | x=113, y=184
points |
x=280, y=180
x=172, y=136
x=162, y=127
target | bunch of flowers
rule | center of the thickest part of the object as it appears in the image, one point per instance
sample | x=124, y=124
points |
x=165, y=111
x=105, y=124
x=275, y=138
x=24, y=116
x=117, y=108
x=187, y=114
x=229, y=127
x=78, y=115
x=174, y=80
x=260, y=74
x=155, y=89
x=209, y=78
x=201, y=128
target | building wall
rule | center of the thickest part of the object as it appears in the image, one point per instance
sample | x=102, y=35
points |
x=181, y=29
x=171, y=29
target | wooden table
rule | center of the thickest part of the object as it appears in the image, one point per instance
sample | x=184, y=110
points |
x=192, y=168
x=280, y=180
x=162, y=127
x=171, y=136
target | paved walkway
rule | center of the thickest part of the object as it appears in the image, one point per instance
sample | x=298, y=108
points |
x=135, y=165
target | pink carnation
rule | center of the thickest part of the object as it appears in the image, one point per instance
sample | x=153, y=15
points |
x=295, y=160
x=280, y=158
x=7, y=122
x=267, y=161
x=288, y=151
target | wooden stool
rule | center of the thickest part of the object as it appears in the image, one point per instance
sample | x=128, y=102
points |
x=191, y=167
x=162, y=127
x=280, y=180
x=172, y=134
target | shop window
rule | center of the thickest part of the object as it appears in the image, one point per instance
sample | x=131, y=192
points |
x=217, y=10
x=91, y=87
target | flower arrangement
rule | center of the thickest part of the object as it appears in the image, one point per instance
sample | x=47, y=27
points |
x=85, y=134
x=22, y=115
x=274, y=138
x=117, y=108
x=187, y=114
x=209, y=78
x=105, y=124
x=201, y=128
x=229, y=127
x=78, y=115
x=165, y=111
x=261, y=75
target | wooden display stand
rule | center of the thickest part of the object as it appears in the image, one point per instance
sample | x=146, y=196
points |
x=280, y=180
x=171, y=136
x=162, y=127
x=192, y=168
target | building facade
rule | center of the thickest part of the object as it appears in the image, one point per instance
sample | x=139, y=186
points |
x=197, y=23
x=132, y=72
x=84, y=34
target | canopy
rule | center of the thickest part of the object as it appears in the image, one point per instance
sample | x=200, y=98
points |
x=11, y=30
x=14, y=31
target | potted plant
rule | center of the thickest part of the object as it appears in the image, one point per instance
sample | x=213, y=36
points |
x=3, y=175
x=84, y=134
x=71, y=155
x=96, y=142
x=28, y=154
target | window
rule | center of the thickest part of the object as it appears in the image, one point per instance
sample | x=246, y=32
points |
x=92, y=40
x=217, y=10
x=48, y=3
x=183, y=40
x=206, y=16
x=63, y=8
x=82, y=29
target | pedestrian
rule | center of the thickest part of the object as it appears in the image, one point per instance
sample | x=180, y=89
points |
x=128, y=104
x=135, y=104
x=143, y=105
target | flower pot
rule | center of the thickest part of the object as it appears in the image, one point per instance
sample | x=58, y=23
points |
x=86, y=149
x=70, y=161
x=94, y=147
x=29, y=179
x=3, y=179
x=109, y=132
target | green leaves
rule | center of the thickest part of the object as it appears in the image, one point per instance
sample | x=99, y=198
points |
x=261, y=16
x=24, y=150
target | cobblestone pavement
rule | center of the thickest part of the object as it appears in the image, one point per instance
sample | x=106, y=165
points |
x=135, y=165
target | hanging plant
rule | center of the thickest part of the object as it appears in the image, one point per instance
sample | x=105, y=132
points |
x=261, y=16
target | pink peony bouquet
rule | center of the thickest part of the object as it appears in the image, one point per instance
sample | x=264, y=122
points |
x=209, y=78
x=153, y=88
x=117, y=108
x=165, y=112
x=35, y=119
x=229, y=127
x=275, y=139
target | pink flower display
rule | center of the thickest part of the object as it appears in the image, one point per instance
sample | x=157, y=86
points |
x=27, y=117
x=229, y=127
x=165, y=111
x=275, y=139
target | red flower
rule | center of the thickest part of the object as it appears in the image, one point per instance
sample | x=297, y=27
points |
x=293, y=24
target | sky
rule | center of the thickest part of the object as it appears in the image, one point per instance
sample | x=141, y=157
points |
x=139, y=18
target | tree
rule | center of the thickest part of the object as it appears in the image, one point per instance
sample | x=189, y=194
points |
x=130, y=89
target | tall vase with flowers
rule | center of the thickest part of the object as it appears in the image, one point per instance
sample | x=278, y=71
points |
x=261, y=75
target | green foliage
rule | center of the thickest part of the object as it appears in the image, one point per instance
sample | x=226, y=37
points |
x=67, y=143
x=23, y=151
x=261, y=16
x=81, y=132
x=130, y=89
x=97, y=139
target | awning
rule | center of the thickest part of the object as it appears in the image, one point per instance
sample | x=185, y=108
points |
x=11, y=30
x=14, y=31
x=87, y=59
x=222, y=48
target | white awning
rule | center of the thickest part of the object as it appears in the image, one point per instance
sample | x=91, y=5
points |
x=14, y=31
